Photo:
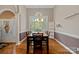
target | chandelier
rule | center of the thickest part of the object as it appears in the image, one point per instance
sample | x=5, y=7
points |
x=39, y=17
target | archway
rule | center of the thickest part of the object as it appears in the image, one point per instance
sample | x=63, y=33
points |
x=7, y=14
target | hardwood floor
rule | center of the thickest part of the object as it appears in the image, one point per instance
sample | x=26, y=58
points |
x=54, y=48
x=9, y=49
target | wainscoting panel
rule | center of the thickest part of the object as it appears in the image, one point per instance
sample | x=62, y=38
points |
x=70, y=42
x=22, y=35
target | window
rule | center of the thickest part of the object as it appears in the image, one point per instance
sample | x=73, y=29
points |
x=39, y=25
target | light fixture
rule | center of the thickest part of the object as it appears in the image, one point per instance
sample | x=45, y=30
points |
x=35, y=19
x=39, y=17
x=42, y=19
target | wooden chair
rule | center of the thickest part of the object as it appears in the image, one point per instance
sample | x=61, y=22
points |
x=28, y=32
x=38, y=37
x=45, y=46
x=47, y=32
x=38, y=42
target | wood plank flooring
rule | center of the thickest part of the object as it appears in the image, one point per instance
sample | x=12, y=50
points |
x=54, y=48
x=9, y=49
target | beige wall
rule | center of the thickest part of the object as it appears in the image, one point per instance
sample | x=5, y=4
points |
x=11, y=7
x=67, y=20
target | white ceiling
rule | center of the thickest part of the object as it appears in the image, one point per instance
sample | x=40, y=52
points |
x=39, y=6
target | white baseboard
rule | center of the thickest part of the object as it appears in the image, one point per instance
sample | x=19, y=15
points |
x=21, y=41
x=66, y=47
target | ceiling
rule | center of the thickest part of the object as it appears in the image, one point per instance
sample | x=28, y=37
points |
x=39, y=6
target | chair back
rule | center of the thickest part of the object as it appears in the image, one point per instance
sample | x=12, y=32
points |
x=37, y=36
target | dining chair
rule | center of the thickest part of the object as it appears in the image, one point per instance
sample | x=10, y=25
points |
x=45, y=46
x=47, y=32
x=28, y=32
x=38, y=37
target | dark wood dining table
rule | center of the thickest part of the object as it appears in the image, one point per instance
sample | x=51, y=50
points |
x=30, y=38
